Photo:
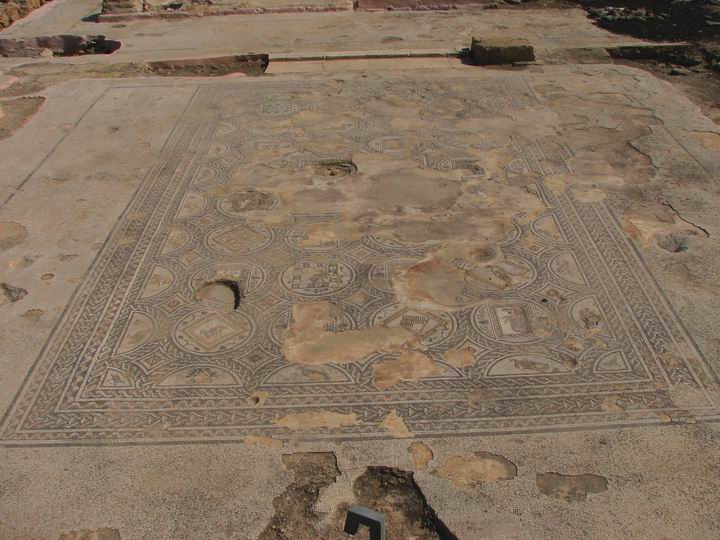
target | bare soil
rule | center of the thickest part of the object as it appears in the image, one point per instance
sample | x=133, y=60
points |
x=696, y=72
x=36, y=77
x=14, y=113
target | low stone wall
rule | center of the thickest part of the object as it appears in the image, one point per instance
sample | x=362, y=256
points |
x=63, y=45
x=420, y=5
x=122, y=6
x=12, y=10
x=128, y=10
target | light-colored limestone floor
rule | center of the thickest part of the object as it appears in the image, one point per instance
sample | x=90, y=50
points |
x=321, y=32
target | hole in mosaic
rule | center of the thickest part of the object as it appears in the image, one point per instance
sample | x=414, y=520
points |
x=340, y=167
x=222, y=291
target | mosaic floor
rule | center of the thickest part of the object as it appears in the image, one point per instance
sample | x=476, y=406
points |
x=578, y=336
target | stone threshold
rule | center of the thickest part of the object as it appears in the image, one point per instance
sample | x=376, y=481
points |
x=366, y=55
x=464, y=52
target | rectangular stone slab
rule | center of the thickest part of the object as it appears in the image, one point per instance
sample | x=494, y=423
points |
x=501, y=51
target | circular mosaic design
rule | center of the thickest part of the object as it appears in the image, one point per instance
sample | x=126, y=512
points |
x=281, y=323
x=248, y=200
x=239, y=238
x=381, y=273
x=387, y=242
x=316, y=277
x=297, y=234
x=511, y=271
x=431, y=327
x=280, y=107
x=209, y=332
x=513, y=322
x=248, y=276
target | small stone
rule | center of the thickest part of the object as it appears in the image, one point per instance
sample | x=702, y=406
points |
x=10, y=294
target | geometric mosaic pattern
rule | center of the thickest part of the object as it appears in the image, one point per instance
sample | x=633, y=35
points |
x=137, y=359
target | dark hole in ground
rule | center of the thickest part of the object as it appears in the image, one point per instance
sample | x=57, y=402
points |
x=249, y=64
x=295, y=516
x=388, y=490
x=694, y=21
x=395, y=493
x=340, y=167
x=673, y=243
x=222, y=291
x=62, y=45
x=681, y=55
x=172, y=6
x=657, y=19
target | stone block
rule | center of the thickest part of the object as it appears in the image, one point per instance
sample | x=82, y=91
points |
x=122, y=6
x=501, y=51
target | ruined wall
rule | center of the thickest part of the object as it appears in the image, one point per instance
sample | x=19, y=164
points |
x=10, y=11
x=122, y=6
